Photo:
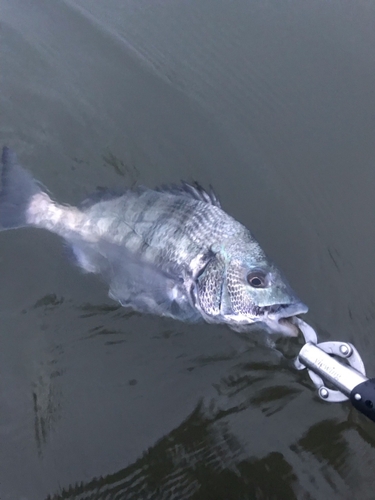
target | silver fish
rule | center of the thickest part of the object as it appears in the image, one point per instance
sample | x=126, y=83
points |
x=171, y=251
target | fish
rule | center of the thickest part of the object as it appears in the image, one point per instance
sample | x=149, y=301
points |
x=171, y=251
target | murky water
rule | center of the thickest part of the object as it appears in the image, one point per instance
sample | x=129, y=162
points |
x=274, y=104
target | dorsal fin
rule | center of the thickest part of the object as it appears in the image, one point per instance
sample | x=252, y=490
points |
x=194, y=190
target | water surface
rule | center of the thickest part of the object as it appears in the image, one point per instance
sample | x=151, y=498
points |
x=271, y=102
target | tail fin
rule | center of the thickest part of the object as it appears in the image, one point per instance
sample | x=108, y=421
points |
x=18, y=186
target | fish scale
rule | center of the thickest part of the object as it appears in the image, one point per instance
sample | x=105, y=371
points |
x=170, y=251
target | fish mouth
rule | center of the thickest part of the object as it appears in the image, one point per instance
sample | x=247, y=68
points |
x=279, y=311
x=278, y=318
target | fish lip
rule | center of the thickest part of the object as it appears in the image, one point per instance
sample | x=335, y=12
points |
x=286, y=312
x=279, y=311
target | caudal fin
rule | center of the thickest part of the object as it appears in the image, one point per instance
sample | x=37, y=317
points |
x=17, y=188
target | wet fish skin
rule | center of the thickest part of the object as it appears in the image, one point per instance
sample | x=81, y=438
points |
x=171, y=251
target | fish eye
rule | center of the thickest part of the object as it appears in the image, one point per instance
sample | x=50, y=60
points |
x=257, y=279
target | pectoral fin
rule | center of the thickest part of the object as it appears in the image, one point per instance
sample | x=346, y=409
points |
x=145, y=287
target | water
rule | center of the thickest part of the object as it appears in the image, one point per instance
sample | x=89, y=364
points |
x=271, y=102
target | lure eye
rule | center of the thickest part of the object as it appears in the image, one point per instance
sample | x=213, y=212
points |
x=257, y=280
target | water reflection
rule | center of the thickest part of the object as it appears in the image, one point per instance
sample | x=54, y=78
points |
x=46, y=397
x=199, y=460
x=49, y=300
x=128, y=170
x=327, y=442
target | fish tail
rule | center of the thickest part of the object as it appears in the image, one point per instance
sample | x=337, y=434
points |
x=18, y=188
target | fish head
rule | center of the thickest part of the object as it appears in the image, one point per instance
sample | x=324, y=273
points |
x=245, y=288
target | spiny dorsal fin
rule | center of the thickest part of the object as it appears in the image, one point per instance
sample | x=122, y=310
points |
x=194, y=190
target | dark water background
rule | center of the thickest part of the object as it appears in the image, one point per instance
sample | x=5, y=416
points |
x=274, y=104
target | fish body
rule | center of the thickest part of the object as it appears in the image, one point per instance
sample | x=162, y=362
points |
x=170, y=251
